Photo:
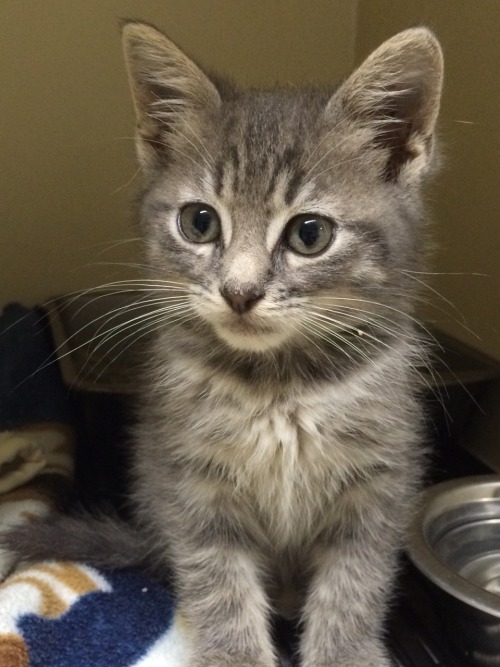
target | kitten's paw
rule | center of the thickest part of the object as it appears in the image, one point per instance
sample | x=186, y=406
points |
x=355, y=661
x=233, y=662
x=220, y=659
x=371, y=654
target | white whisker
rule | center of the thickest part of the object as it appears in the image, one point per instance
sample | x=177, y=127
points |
x=337, y=145
x=463, y=321
x=146, y=326
x=170, y=147
x=319, y=326
x=127, y=183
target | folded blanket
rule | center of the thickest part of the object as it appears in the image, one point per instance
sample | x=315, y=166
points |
x=30, y=451
x=36, y=438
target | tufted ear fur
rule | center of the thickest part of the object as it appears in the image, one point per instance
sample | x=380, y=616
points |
x=168, y=89
x=396, y=93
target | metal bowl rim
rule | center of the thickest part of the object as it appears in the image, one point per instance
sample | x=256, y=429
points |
x=423, y=557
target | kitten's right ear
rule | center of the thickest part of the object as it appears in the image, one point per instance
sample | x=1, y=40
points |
x=168, y=89
x=395, y=94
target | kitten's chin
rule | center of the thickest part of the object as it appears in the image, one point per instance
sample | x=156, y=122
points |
x=251, y=341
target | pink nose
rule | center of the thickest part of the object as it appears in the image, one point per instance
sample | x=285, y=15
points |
x=241, y=302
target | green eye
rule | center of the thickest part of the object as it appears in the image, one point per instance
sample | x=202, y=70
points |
x=199, y=223
x=309, y=234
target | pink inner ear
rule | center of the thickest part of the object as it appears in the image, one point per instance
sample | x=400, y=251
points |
x=399, y=119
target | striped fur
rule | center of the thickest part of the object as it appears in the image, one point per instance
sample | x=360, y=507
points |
x=279, y=441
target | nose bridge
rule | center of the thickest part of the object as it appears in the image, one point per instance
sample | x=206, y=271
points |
x=246, y=262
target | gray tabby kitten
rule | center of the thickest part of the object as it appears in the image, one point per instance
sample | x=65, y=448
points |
x=279, y=444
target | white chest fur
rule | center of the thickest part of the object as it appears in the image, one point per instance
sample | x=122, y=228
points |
x=286, y=459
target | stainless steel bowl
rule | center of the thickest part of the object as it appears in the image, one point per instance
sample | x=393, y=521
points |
x=454, y=541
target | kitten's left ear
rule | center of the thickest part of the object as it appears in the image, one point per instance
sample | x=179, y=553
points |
x=396, y=93
x=169, y=90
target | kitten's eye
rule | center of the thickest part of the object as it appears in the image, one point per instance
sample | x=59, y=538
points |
x=309, y=234
x=199, y=223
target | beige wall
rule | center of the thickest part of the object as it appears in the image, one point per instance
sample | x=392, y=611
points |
x=465, y=201
x=66, y=154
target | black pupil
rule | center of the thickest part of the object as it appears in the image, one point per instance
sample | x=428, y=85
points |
x=202, y=221
x=309, y=232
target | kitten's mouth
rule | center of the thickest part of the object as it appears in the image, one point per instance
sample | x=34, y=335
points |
x=240, y=324
x=246, y=333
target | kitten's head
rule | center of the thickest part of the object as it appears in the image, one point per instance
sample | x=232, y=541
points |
x=290, y=215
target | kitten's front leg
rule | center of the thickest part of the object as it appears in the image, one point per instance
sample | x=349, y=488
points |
x=353, y=567
x=223, y=602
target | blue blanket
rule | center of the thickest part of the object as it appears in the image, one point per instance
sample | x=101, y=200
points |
x=70, y=615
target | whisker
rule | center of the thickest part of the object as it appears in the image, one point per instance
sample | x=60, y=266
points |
x=145, y=303
x=441, y=296
x=105, y=317
x=107, y=334
x=335, y=335
x=125, y=265
x=111, y=245
x=450, y=273
x=206, y=157
x=104, y=335
x=354, y=329
x=357, y=158
x=429, y=368
x=124, y=287
x=420, y=300
x=372, y=321
x=177, y=150
x=379, y=304
x=375, y=316
x=308, y=338
x=127, y=183
x=377, y=342
x=159, y=318
x=164, y=113
x=337, y=145
x=144, y=300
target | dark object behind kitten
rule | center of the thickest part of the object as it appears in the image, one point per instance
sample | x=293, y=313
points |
x=279, y=440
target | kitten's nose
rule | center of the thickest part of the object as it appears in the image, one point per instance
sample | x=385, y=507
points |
x=241, y=302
